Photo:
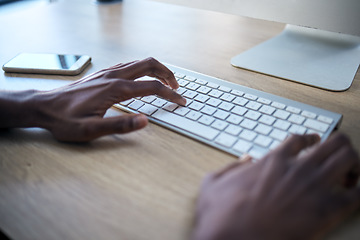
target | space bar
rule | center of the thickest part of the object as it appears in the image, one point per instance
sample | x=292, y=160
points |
x=186, y=124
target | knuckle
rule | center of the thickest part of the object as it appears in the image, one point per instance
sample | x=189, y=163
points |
x=151, y=61
x=157, y=86
x=342, y=138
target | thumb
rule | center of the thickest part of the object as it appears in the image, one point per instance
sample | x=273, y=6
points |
x=121, y=124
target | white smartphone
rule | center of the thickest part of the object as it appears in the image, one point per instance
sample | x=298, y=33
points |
x=44, y=63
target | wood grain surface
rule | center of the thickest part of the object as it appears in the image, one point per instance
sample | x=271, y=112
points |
x=141, y=185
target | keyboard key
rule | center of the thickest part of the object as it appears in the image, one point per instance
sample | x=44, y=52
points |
x=240, y=101
x=147, y=109
x=201, y=98
x=186, y=124
x=257, y=152
x=220, y=125
x=136, y=104
x=190, y=78
x=225, y=140
x=278, y=105
x=212, y=85
x=196, y=106
x=308, y=114
x=250, y=96
x=274, y=144
x=213, y=102
x=281, y=114
x=267, y=110
x=227, y=97
x=215, y=93
x=316, y=125
x=263, y=129
x=208, y=110
x=248, y=135
x=311, y=131
x=297, y=119
x=264, y=101
x=182, y=111
x=192, y=86
x=126, y=102
x=269, y=120
x=234, y=119
x=148, y=99
x=203, y=89
x=263, y=141
x=239, y=110
x=201, y=81
x=325, y=119
x=180, y=90
x=226, y=106
x=188, y=102
x=207, y=120
x=296, y=129
x=233, y=130
x=278, y=134
x=221, y=114
x=249, y=124
x=224, y=89
x=189, y=94
x=169, y=106
x=183, y=82
x=242, y=146
x=293, y=110
x=281, y=124
x=252, y=115
x=237, y=92
x=159, y=102
x=253, y=105
x=193, y=115
x=179, y=75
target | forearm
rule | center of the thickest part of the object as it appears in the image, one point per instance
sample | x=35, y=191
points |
x=19, y=109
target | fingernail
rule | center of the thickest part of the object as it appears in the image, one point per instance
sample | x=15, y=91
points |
x=245, y=158
x=183, y=101
x=139, y=121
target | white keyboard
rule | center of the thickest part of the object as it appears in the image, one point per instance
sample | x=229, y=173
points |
x=231, y=117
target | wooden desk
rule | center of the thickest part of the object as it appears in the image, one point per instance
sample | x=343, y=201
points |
x=140, y=185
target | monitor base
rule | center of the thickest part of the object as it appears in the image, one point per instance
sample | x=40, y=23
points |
x=313, y=57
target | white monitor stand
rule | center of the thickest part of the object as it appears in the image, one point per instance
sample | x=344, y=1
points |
x=314, y=57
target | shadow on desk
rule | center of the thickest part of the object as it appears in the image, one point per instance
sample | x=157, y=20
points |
x=41, y=136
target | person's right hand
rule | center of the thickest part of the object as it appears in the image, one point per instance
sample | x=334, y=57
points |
x=75, y=112
x=285, y=195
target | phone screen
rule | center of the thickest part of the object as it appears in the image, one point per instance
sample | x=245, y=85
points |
x=44, y=61
x=66, y=64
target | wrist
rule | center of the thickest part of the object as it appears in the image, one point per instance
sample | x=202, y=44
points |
x=21, y=109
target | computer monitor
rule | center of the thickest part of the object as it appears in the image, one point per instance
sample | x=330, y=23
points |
x=320, y=45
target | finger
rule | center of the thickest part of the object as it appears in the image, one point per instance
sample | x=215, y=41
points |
x=145, y=88
x=326, y=149
x=97, y=127
x=295, y=144
x=150, y=67
x=342, y=162
x=226, y=169
x=241, y=161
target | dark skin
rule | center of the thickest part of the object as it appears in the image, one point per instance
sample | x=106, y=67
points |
x=75, y=113
x=285, y=195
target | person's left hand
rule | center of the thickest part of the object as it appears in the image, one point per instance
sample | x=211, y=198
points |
x=75, y=112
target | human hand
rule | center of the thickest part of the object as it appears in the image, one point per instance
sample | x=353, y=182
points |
x=284, y=195
x=75, y=112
